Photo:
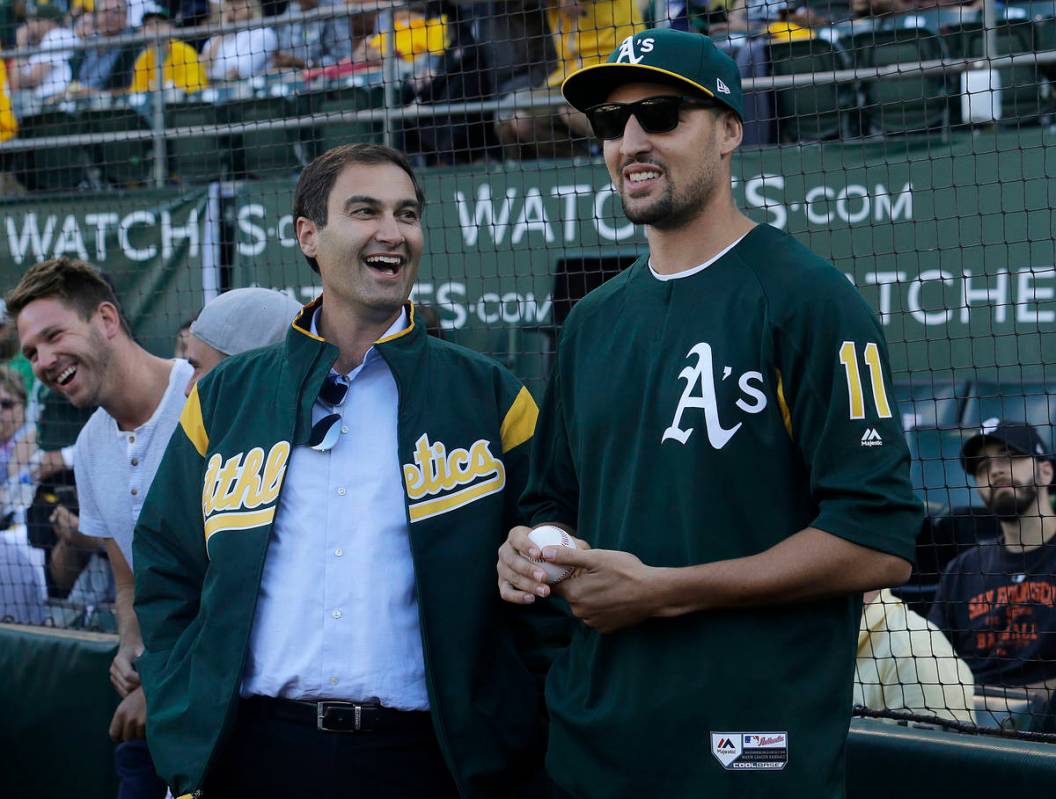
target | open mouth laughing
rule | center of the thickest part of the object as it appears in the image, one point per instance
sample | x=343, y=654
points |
x=386, y=263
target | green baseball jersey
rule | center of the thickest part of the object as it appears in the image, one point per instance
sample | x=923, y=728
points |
x=700, y=419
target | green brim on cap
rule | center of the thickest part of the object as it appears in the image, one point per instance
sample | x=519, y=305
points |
x=591, y=85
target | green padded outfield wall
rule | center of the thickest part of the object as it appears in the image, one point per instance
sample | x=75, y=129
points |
x=56, y=703
x=950, y=241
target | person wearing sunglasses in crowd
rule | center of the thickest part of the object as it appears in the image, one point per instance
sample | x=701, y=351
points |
x=80, y=345
x=316, y=562
x=720, y=429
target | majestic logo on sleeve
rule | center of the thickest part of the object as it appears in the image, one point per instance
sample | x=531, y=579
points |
x=440, y=481
x=627, y=54
x=700, y=393
x=239, y=493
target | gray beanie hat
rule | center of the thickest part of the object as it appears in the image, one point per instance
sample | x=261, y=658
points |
x=244, y=319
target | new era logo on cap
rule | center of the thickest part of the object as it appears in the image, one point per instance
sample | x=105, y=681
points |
x=722, y=87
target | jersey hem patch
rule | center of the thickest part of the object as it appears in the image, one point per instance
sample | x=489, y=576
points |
x=750, y=751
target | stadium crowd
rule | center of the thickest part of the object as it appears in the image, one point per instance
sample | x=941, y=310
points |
x=448, y=51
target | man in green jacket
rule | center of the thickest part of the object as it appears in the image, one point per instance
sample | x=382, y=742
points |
x=315, y=561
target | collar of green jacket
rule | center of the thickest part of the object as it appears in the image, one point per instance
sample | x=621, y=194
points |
x=309, y=358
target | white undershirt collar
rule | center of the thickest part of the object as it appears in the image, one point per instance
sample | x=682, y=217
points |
x=695, y=269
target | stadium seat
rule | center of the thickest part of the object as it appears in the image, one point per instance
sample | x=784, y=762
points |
x=265, y=153
x=810, y=113
x=335, y=101
x=1025, y=94
x=914, y=103
x=51, y=168
x=121, y=163
x=195, y=159
x=935, y=471
x=931, y=403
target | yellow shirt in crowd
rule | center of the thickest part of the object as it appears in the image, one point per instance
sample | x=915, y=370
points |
x=182, y=69
x=8, y=124
x=415, y=36
x=590, y=37
x=905, y=663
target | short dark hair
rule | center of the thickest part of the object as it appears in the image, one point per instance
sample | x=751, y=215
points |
x=77, y=284
x=318, y=179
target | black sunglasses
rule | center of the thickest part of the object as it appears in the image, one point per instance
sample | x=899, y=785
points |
x=654, y=114
x=327, y=430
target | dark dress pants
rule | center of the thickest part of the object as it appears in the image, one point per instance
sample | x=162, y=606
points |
x=268, y=756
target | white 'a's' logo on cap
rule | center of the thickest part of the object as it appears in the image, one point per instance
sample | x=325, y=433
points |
x=722, y=87
x=627, y=50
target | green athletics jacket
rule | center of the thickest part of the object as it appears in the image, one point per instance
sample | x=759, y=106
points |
x=464, y=431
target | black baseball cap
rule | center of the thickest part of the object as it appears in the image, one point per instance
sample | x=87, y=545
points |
x=1017, y=436
x=662, y=55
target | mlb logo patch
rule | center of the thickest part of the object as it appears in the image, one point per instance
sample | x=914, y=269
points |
x=750, y=751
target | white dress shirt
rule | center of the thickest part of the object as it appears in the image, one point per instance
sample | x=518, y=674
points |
x=337, y=616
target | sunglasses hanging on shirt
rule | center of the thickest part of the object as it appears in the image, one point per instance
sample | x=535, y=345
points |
x=654, y=114
x=327, y=430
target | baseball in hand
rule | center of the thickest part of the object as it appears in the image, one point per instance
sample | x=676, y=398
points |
x=549, y=536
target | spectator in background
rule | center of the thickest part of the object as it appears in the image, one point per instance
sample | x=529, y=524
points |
x=9, y=184
x=180, y=350
x=106, y=67
x=905, y=663
x=243, y=53
x=79, y=343
x=181, y=68
x=44, y=74
x=584, y=33
x=18, y=438
x=996, y=601
x=319, y=43
x=236, y=321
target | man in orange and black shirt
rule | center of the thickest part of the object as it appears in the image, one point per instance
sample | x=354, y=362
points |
x=997, y=601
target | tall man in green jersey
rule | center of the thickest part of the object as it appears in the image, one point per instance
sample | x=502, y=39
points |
x=720, y=428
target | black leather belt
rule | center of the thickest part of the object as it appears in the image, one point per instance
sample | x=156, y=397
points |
x=338, y=716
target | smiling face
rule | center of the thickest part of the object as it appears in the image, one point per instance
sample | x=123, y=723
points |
x=69, y=354
x=667, y=180
x=1009, y=481
x=368, y=250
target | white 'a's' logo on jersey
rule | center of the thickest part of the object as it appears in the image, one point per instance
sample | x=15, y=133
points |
x=627, y=50
x=700, y=393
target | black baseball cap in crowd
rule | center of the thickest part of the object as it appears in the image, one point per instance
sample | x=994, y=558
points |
x=681, y=59
x=1017, y=436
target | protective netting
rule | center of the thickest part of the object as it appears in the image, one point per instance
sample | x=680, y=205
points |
x=907, y=142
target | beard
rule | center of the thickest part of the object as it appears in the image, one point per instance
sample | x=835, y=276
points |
x=672, y=210
x=1013, y=504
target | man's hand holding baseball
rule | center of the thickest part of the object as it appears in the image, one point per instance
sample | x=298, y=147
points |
x=610, y=590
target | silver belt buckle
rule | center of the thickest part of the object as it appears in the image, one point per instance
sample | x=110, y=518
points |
x=321, y=709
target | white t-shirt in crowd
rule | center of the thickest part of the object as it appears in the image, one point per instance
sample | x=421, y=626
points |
x=114, y=468
x=61, y=74
x=248, y=51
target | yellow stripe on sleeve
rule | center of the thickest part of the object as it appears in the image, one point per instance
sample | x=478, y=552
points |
x=192, y=424
x=786, y=412
x=519, y=424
